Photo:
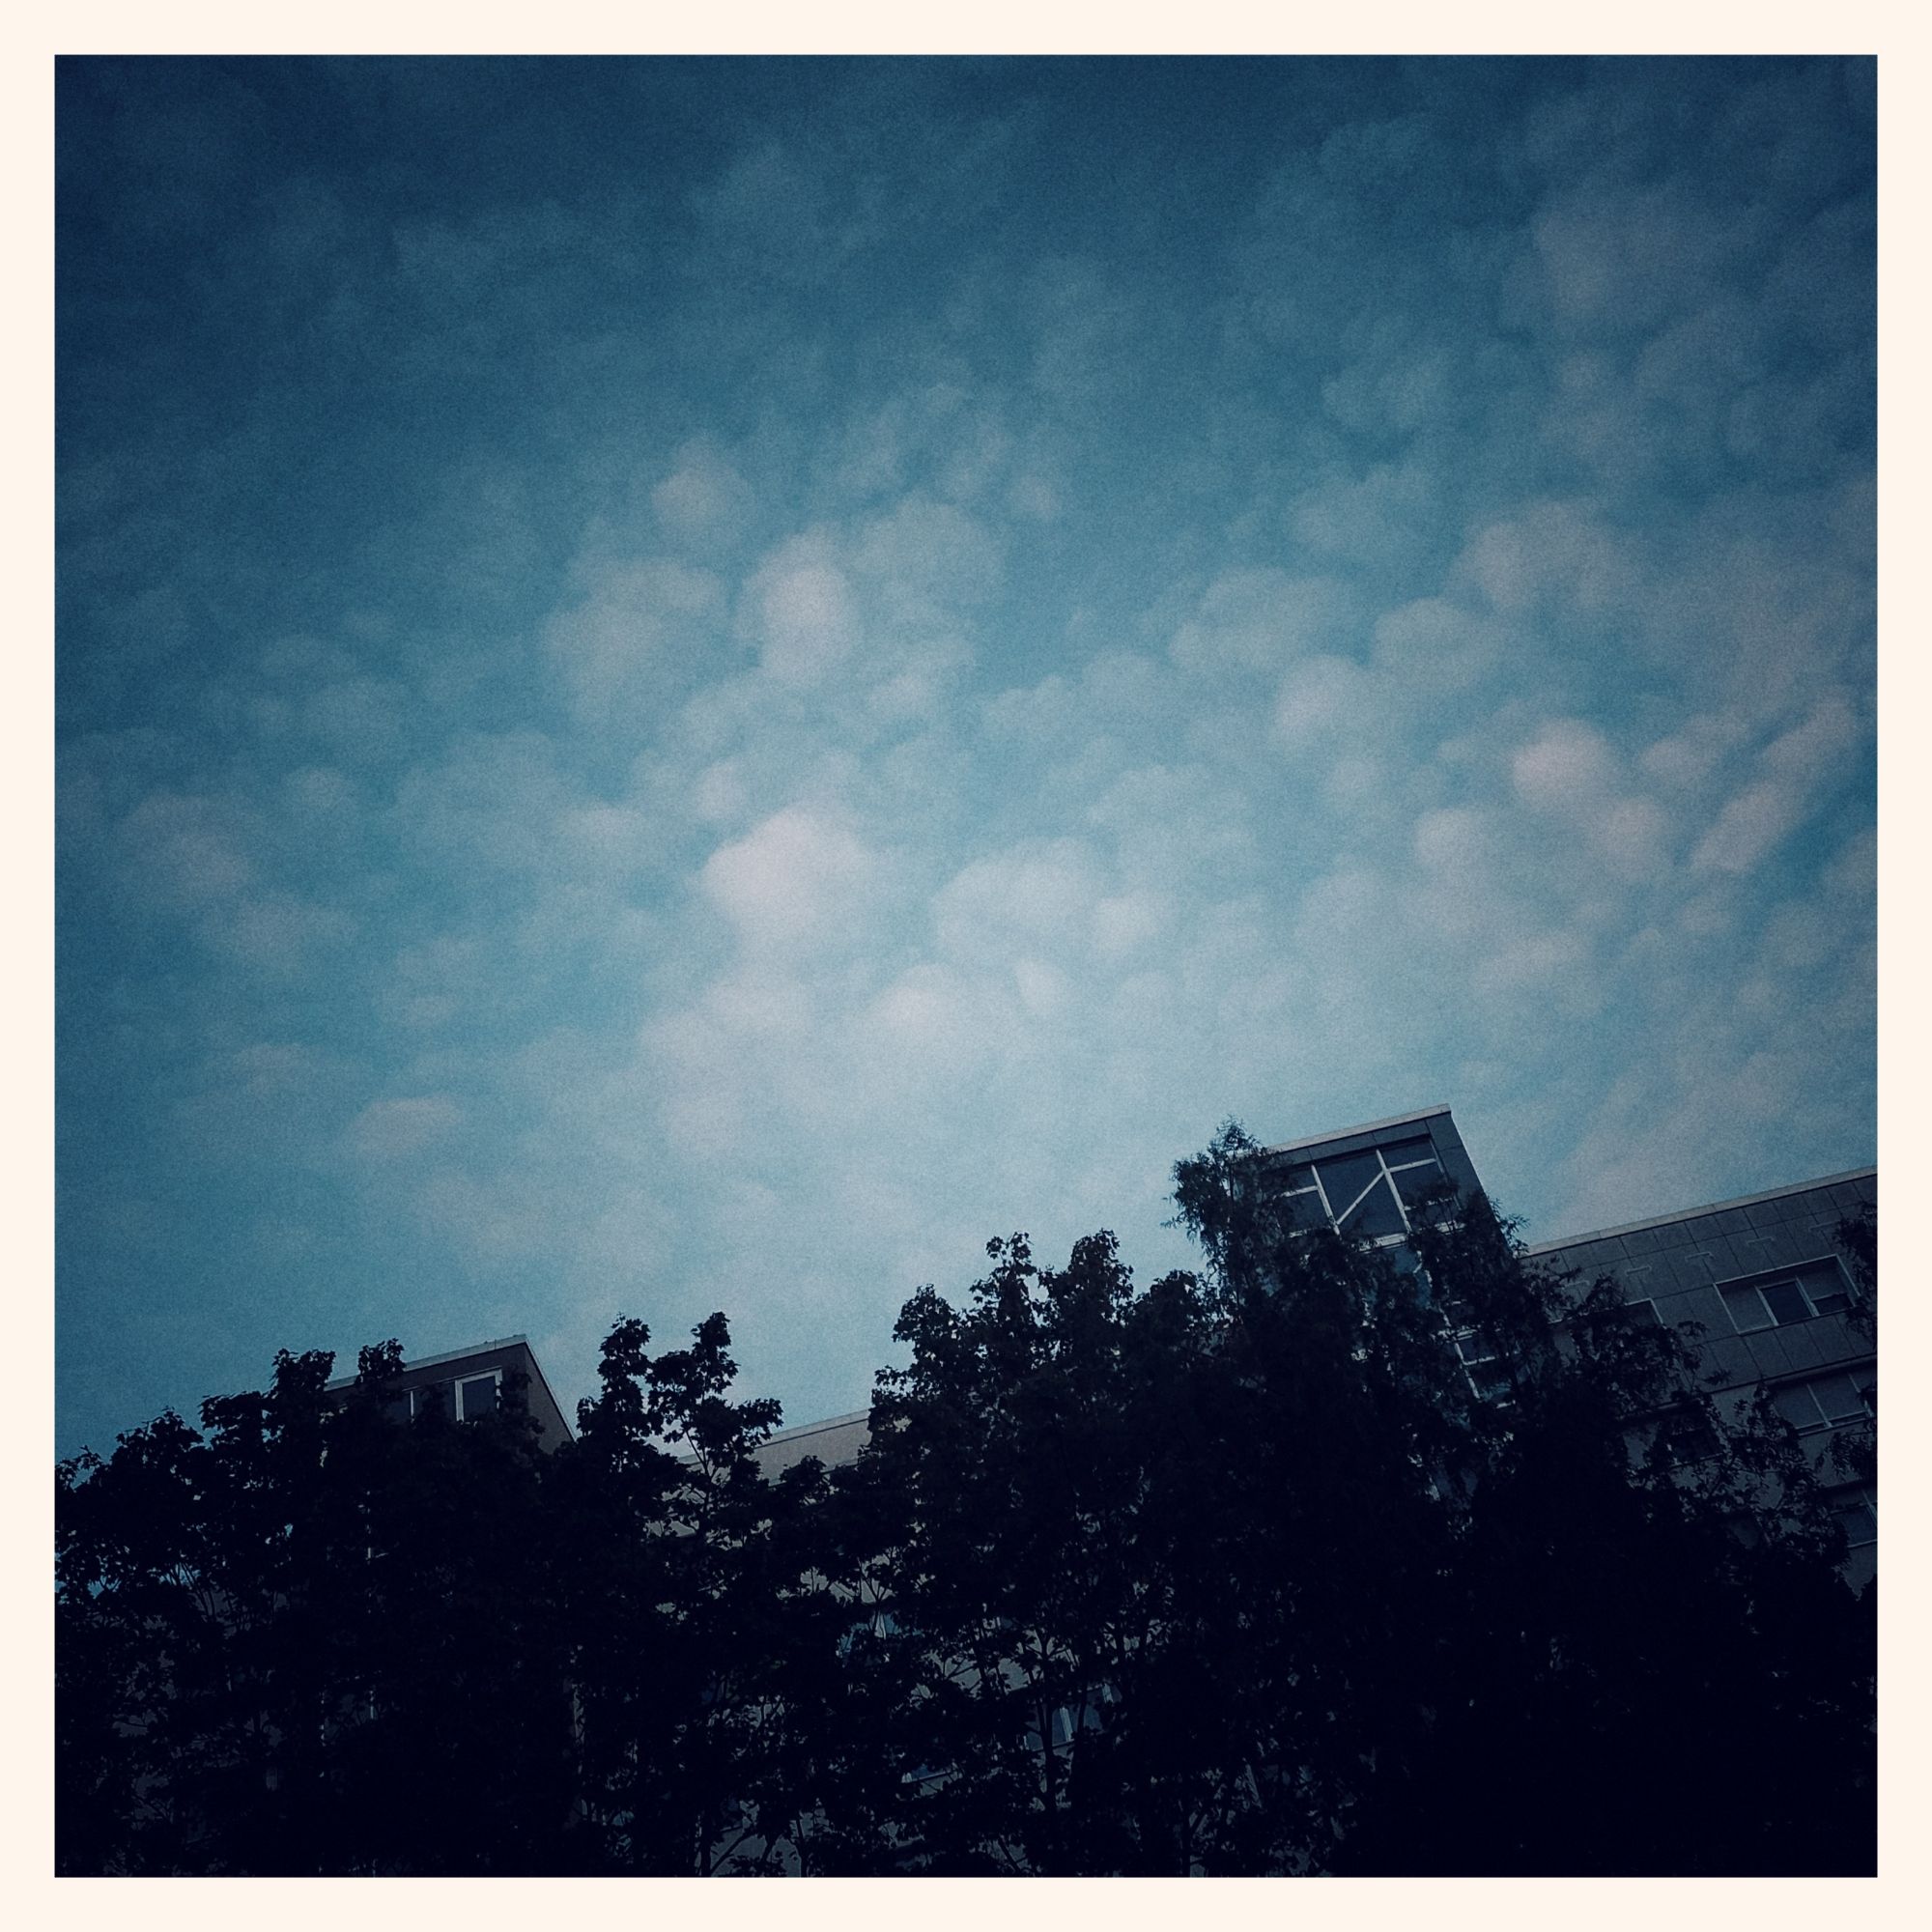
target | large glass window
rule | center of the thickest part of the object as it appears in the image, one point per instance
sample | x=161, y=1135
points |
x=1372, y=1194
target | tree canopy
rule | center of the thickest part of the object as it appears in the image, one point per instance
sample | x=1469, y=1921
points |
x=1252, y=1570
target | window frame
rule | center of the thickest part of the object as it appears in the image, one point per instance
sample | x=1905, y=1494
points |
x=1800, y=1275
x=459, y=1383
x=1385, y=1177
x=1847, y=1502
x=1825, y=1422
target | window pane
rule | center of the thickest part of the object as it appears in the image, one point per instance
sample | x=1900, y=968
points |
x=1860, y=1524
x=1376, y=1214
x=1746, y=1308
x=1786, y=1301
x=1840, y=1398
x=1794, y=1403
x=1828, y=1301
x=431, y=1395
x=1412, y=1183
x=480, y=1397
x=1346, y=1178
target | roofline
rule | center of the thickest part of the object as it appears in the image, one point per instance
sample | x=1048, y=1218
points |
x=478, y=1348
x=454, y=1355
x=1709, y=1207
x=1365, y=1127
x=816, y=1427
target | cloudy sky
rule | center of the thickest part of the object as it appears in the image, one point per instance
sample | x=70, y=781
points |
x=697, y=685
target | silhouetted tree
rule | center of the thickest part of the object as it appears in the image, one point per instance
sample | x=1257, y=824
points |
x=1326, y=1558
x=312, y=1639
x=690, y=1600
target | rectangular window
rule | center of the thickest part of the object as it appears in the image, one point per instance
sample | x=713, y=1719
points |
x=1779, y=1300
x=476, y=1395
x=1824, y=1402
x=1857, y=1514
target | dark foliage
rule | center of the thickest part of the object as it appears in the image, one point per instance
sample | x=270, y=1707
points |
x=1242, y=1572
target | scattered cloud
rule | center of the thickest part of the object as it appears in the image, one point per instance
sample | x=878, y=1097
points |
x=713, y=743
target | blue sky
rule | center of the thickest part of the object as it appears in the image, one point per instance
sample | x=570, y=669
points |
x=697, y=685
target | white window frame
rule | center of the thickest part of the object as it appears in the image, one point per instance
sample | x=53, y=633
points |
x=495, y=1379
x=1386, y=1176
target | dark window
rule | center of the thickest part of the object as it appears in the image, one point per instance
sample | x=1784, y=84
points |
x=479, y=1396
x=1821, y=1403
x=1417, y=1185
x=1860, y=1518
x=430, y=1396
x=1347, y=1178
x=1375, y=1214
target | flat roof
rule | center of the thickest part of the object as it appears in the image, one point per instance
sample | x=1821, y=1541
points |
x=817, y=1428
x=1366, y=1127
x=1693, y=1213
x=413, y=1362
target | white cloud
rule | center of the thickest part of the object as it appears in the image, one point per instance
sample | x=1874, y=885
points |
x=1127, y=922
x=799, y=878
x=1549, y=554
x=703, y=497
x=638, y=621
x=1319, y=698
x=924, y=561
x=1259, y=621
x=802, y=612
x=1035, y=897
x=1569, y=768
x=1797, y=768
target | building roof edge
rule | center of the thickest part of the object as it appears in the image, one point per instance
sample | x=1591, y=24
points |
x=1693, y=1214
x=1362, y=1127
